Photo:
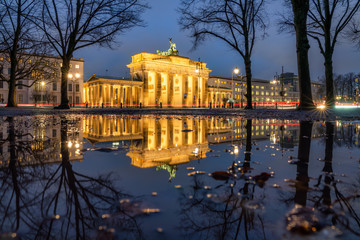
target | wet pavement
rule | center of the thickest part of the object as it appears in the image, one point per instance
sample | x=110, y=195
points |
x=178, y=177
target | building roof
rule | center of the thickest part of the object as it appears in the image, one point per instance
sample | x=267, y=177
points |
x=94, y=78
x=244, y=79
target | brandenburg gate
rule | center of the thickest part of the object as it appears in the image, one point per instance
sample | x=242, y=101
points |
x=170, y=80
x=163, y=79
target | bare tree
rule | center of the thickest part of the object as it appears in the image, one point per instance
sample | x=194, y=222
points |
x=327, y=19
x=74, y=24
x=234, y=22
x=21, y=46
x=300, y=10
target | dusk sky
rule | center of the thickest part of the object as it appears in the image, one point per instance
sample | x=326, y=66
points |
x=276, y=50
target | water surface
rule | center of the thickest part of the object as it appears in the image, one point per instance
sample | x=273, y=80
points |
x=122, y=177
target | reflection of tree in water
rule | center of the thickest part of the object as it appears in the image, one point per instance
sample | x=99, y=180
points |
x=327, y=212
x=345, y=133
x=228, y=210
x=56, y=202
x=17, y=195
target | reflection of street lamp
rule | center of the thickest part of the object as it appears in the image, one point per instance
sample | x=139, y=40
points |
x=73, y=80
x=236, y=71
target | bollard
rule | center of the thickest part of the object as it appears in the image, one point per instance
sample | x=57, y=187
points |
x=102, y=105
x=120, y=105
x=160, y=104
x=140, y=105
x=254, y=105
x=276, y=106
x=210, y=105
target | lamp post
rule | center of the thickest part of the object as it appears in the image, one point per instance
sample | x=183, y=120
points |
x=236, y=71
x=73, y=80
x=198, y=71
x=43, y=91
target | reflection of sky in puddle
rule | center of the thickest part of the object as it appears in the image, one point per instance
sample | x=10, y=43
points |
x=165, y=164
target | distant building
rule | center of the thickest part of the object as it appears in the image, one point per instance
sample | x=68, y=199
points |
x=265, y=93
x=47, y=89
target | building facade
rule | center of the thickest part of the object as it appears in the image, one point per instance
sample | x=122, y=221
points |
x=107, y=91
x=47, y=87
x=265, y=93
x=170, y=80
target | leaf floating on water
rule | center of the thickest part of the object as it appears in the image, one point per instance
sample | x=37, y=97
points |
x=254, y=205
x=221, y=175
x=150, y=210
x=159, y=229
x=190, y=168
x=154, y=193
x=196, y=173
x=262, y=178
x=302, y=220
x=105, y=216
x=207, y=187
x=276, y=186
x=178, y=186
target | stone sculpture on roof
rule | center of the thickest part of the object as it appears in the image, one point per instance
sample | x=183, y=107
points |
x=172, y=50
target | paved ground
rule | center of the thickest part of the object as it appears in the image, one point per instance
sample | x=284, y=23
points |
x=344, y=114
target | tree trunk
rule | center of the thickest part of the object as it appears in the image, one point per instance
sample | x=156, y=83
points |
x=300, y=9
x=64, y=104
x=248, y=95
x=330, y=99
x=12, y=94
x=12, y=81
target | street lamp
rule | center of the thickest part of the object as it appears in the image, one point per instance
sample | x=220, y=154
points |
x=73, y=80
x=236, y=71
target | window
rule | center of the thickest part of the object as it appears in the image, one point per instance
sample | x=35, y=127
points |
x=77, y=87
x=77, y=66
x=70, y=100
x=29, y=61
x=54, y=133
x=54, y=86
x=77, y=100
x=1, y=59
x=9, y=70
x=1, y=84
x=70, y=87
x=20, y=98
x=20, y=86
x=1, y=98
